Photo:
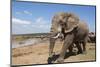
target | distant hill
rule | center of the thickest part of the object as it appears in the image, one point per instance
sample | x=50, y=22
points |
x=33, y=35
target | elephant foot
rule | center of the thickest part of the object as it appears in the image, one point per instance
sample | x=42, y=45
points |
x=75, y=53
x=52, y=54
x=60, y=60
x=80, y=52
x=50, y=60
x=84, y=52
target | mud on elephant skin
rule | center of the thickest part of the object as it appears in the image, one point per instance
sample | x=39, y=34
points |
x=73, y=30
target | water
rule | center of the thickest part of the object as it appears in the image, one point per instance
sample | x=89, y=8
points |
x=16, y=44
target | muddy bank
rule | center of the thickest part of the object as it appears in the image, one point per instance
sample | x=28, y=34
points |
x=27, y=42
x=38, y=54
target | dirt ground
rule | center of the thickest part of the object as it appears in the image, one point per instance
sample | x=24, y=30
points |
x=38, y=54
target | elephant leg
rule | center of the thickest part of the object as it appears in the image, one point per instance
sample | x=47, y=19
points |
x=68, y=41
x=78, y=45
x=84, y=47
x=51, y=46
x=70, y=48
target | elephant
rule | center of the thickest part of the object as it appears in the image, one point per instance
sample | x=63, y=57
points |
x=92, y=37
x=71, y=29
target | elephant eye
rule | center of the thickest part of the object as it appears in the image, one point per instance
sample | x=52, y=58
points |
x=62, y=23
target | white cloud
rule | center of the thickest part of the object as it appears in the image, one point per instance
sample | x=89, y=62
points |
x=27, y=12
x=40, y=22
x=24, y=12
x=39, y=19
x=18, y=13
x=19, y=21
x=39, y=25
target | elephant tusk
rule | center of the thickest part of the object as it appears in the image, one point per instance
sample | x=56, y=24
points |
x=56, y=36
x=67, y=31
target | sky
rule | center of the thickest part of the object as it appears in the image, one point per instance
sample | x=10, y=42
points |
x=34, y=17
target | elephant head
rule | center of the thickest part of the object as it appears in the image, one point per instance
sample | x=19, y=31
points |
x=64, y=22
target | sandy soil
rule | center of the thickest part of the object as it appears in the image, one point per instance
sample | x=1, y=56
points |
x=38, y=54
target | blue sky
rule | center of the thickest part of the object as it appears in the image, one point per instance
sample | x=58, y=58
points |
x=30, y=17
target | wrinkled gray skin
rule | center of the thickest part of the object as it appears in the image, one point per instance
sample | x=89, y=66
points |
x=73, y=30
x=92, y=37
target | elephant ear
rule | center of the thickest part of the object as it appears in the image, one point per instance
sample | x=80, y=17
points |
x=54, y=26
x=72, y=22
